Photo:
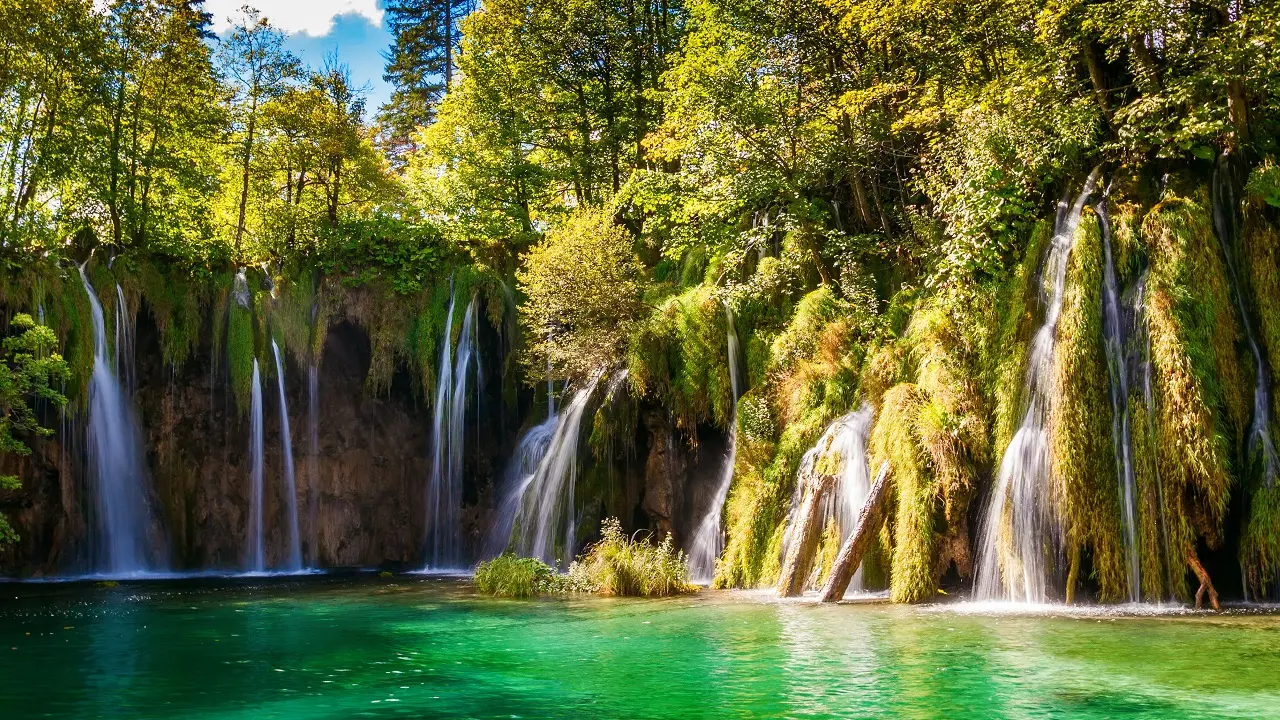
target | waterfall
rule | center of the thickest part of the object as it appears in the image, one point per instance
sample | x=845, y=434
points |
x=286, y=456
x=1117, y=370
x=313, y=460
x=1260, y=441
x=1021, y=522
x=846, y=439
x=115, y=457
x=257, y=556
x=539, y=502
x=530, y=451
x=708, y=538
x=444, y=489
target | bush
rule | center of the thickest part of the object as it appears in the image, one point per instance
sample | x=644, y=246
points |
x=516, y=577
x=620, y=565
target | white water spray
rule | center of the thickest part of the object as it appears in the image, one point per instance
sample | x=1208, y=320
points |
x=257, y=553
x=115, y=459
x=286, y=456
x=1021, y=529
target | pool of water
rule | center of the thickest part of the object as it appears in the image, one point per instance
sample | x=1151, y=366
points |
x=429, y=647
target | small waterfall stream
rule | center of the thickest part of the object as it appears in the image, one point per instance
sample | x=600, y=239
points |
x=708, y=538
x=257, y=553
x=444, y=488
x=537, y=515
x=115, y=456
x=1118, y=373
x=1021, y=526
x=845, y=438
x=286, y=457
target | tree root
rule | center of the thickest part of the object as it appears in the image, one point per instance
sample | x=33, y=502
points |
x=1205, y=582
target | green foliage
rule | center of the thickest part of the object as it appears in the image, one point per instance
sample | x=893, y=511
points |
x=405, y=256
x=1264, y=183
x=1198, y=385
x=679, y=358
x=29, y=369
x=583, y=295
x=516, y=577
x=620, y=565
x=893, y=440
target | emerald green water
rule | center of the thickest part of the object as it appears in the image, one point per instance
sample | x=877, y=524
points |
x=412, y=647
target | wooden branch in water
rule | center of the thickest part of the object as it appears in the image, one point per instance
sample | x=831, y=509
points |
x=804, y=543
x=869, y=520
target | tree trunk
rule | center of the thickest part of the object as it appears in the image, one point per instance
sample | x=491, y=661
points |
x=870, y=518
x=804, y=542
x=1205, y=582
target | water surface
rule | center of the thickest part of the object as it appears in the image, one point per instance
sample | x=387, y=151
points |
x=429, y=647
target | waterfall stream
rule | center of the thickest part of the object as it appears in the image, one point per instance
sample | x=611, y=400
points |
x=846, y=439
x=1021, y=526
x=1118, y=373
x=444, y=488
x=115, y=457
x=537, y=516
x=708, y=537
x=257, y=553
x=286, y=460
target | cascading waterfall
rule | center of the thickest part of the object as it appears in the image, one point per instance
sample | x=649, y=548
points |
x=1260, y=442
x=543, y=500
x=124, y=342
x=313, y=459
x=286, y=456
x=1021, y=525
x=708, y=538
x=530, y=451
x=115, y=458
x=1117, y=370
x=846, y=439
x=444, y=489
x=257, y=553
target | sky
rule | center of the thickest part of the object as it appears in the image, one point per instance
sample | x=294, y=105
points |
x=353, y=29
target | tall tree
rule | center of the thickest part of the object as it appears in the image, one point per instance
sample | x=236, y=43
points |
x=253, y=57
x=420, y=63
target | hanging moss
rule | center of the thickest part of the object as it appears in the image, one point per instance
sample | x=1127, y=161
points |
x=911, y=577
x=1260, y=545
x=176, y=299
x=1199, y=391
x=1154, y=568
x=679, y=357
x=1081, y=449
x=1007, y=358
x=241, y=352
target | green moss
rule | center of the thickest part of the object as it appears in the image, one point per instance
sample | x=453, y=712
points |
x=913, y=539
x=241, y=352
x=1199, y=394
x=679, y=358
x=1007, y=359
x=1081, y=451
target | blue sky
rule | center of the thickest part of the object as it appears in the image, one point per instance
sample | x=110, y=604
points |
x=355, y=30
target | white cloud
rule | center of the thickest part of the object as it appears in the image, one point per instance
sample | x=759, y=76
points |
x=310, y=17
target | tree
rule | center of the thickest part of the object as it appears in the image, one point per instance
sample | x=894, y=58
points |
x=28, y=369
x=254, y=59
x=584, y=294
x=420, y=63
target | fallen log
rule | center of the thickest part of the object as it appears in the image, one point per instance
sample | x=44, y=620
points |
x=804, y=541
x=869, y=520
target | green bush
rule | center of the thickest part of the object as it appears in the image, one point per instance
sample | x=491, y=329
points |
x=516, y=577
x=620, y=565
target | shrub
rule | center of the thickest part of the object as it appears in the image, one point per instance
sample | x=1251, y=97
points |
x=516, y=577
x=620, y=565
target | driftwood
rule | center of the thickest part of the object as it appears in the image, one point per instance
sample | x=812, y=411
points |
x=869, y=520
x=804, y=541
x=1205, y=582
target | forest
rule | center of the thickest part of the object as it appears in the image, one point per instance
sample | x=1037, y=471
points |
x=1022, y=254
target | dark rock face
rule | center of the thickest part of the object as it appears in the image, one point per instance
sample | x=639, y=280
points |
x=360, y=500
